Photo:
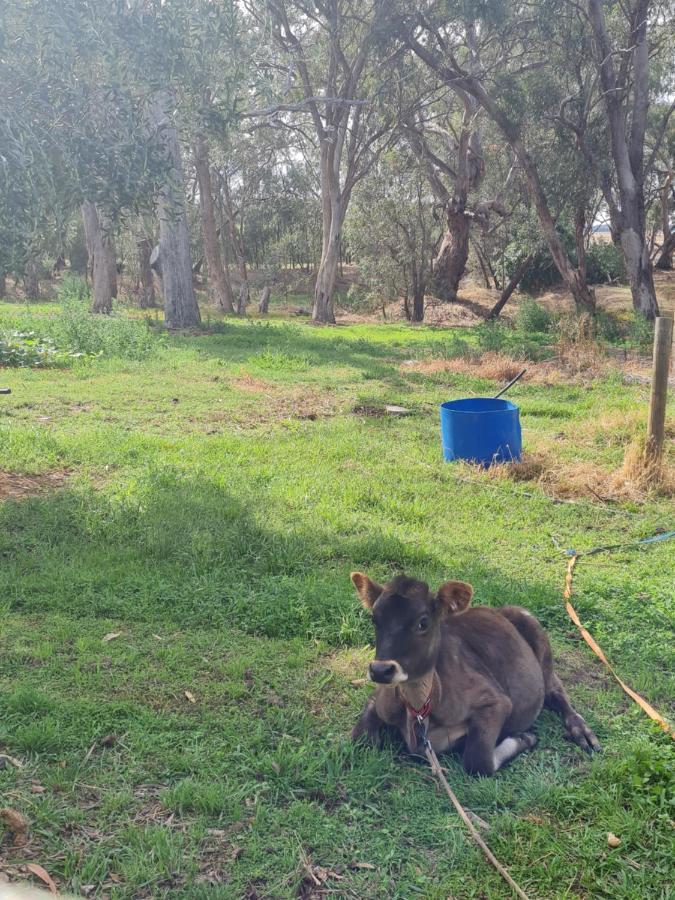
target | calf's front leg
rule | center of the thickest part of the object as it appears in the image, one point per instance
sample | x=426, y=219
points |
x=482, y=754
x=369, y=724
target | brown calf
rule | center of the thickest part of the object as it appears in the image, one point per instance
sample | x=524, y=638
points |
x=478, y=677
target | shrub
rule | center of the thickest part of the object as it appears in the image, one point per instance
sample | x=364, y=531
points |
x=604, y=262
x=25, y=349
x=640, y=332
x=608, y=326
x=531, y=317
x=492, y=335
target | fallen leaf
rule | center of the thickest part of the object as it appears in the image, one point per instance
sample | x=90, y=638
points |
x=157, y=637
x=357, y=682
x=111, y=636
x=276, y=767
x=108, y=740
x=360, y=865
x=16, y=823
x=36, y=788
x=236, y=852
x=43, y=875
x=613, y=840
x=116, y=878
x=191, y=697
x=6, y=760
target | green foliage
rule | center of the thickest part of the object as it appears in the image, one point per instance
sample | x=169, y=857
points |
x=28, y=350
x=533, y=317
x=604, y=262
x=640, y=332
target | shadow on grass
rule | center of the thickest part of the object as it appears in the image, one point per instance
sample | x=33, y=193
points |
x=183, y=548
x=293, y=344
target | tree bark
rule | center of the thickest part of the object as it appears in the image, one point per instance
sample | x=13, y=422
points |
x=418, y=296
x=264, y=303
x=107, y=236
x=148, y=298
x=32, y=281
x=628, y=150
x=221, y=285
x=3, y=284
x=180, y=302
x=665, y=257
x=237, y=247
x=505, y=296
x=99, y=265
x=450, y=262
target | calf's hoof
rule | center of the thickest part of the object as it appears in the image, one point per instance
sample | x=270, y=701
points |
x=579, y=732
x=528, y=740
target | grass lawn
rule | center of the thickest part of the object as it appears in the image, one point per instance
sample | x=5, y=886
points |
x=219, y=490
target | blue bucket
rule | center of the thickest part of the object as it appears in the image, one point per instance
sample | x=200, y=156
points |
x=480, y=429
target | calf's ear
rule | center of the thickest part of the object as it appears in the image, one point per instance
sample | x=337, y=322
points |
x=455, y=597
x=367, y=589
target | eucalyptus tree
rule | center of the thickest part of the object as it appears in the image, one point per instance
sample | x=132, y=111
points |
x=392, y=230
x=334, y=68
x=621, y=33
x=491, y=53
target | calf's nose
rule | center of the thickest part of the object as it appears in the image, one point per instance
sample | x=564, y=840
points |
x=383, y=672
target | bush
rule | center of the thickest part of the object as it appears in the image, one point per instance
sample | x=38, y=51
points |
x=640, y=332
x=608, y=326
x=531, y=317
x=25, y=349
x=604, y=262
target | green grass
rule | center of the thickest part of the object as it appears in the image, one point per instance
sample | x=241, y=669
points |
x=221, y=488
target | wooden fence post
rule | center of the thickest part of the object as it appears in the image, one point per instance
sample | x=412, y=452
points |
x=663, y=340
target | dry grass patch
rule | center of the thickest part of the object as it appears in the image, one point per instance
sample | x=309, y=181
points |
x=351, y=663
x=635, y=481
x=491, y=364
x=250, y=385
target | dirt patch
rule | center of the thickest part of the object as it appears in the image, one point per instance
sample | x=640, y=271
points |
x=250, y=385
x=15, y=487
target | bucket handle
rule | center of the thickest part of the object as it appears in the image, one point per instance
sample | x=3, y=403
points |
x=510, y=384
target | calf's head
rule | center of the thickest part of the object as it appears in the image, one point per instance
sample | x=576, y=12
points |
x=407, y=618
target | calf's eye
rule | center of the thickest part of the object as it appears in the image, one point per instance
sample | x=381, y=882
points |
x=423, y=624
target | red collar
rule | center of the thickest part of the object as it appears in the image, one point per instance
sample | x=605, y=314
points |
x=423, y=711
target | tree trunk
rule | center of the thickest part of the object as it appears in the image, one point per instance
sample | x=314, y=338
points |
x=264, y=304
x=640, y=275
x=221, y=285
x=180, y=303
x=148, y=299
x=326, y=278
x=628, y=150
x=243, y=298
x=108, y=239
x=3, y=284
x=450, y=262
x=418, y=304
x=99, y=265
x=32, y=281
x=516, y=278
x=665, y=257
